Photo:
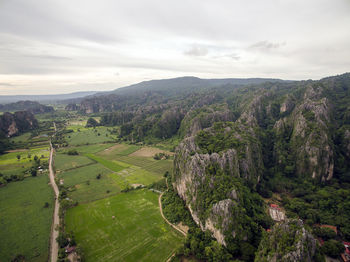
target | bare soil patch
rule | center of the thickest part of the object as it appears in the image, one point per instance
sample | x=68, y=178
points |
x=150, y=152
x=16, y=150
x=183, y=227
x=116, y=147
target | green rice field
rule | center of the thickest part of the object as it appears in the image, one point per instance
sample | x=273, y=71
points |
x=25, y=223
x=136, y=233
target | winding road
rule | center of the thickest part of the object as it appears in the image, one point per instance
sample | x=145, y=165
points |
x=166, y=220
x=55, y=220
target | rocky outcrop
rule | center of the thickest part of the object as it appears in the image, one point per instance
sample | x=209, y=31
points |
x=31, y=106
x=346, y=142
x=18, y=122
x=306, y=134
x=239, y=157
x=287, y=242
x=72, y=107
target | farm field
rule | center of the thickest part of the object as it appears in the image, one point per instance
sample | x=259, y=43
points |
x=137, y=233
x=141, y=157
x=112, y=165
x=92, y=149
x=11, y=165
x=88, y=135
x=120, y=149
x=83, y=186
x=135, y=175
x=64, y=161
x=25, y=223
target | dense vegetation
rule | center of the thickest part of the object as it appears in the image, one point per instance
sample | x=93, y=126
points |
x=287, y=142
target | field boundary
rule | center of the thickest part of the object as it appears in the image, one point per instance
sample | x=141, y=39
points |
x=94, y=162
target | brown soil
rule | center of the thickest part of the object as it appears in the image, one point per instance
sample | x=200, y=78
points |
x=150, y=152
x=183, y=227
x=16, y=150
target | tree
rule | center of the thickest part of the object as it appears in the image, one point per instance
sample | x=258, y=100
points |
x=98, y=176
x=18, y=258
x=18, y=157
x=33, y=171
x=46, y=205
x=73, y=152
x=333, y=248
x=92, y=122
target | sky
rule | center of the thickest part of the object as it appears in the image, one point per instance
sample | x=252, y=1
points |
x=64, y=46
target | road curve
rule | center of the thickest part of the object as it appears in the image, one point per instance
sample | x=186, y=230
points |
x=166, y=220
x=55, y=220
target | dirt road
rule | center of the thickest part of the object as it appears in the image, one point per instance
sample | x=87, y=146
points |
x=54, y=233
x=166, y=220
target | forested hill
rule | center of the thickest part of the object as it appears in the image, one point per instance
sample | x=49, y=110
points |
x=244, y=141
x=157, y=91
x=31, y=106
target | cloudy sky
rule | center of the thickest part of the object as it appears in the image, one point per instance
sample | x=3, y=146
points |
x=62, y=46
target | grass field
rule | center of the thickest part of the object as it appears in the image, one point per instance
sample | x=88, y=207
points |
x=89, y=135
x=84, y=186
x=120, y=150
x=10, y=165
x=135, y=175
x=92, y=149
x=112, y=165
x=138, y=232
x=11, y=158
x=25, y=223
x=64, y=162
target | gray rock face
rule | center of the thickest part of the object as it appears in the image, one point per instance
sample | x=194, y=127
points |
x=21, y=121
x=311, y=139
x=287, y=242
x=190, y=174
x=346, y=142
x=310, y=145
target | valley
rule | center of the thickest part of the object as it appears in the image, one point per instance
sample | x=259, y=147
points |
x=241, y=168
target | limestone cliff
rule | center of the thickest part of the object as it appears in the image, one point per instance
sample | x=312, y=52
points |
x=288, y=242
x=18, y=122
x=206, y=171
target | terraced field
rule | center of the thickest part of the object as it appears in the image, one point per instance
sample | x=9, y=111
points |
x=124, y=227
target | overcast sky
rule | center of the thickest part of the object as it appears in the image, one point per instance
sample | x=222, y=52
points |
x=62, y=46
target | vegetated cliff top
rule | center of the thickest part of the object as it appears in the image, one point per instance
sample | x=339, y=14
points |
x=31, y=106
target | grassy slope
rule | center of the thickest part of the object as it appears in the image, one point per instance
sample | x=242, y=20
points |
x=25, y=224
x=138, y=232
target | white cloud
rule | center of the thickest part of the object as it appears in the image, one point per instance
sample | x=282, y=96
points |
x=79, y=45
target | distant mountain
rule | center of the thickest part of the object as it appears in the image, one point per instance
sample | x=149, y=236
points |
x=45, y=98
x=187, y=84
x=158, y=91
x=31, y=106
